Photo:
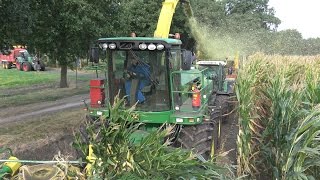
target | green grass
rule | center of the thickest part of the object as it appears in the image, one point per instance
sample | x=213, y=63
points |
x=21, y=88
x=11, y=78
x=42, y=95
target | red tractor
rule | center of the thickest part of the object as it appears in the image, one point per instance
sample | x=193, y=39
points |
x=21, y=59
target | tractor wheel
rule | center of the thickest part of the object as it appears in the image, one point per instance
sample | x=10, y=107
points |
x=202, y=138
x=221, y=105
x=26, y=66
x=18, y=66
x=42, y=66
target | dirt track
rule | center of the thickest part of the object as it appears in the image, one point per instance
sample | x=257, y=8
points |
x=229, y=132
x=19, y=113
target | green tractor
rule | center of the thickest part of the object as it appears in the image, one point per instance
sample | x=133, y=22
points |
x=166, y=85
x=26, y=62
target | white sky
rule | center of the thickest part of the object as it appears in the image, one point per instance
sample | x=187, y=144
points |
x=302, y=15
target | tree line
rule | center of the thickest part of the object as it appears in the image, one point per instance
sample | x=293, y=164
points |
x=65, y=29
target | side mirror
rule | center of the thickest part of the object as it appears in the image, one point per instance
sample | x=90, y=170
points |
x=187, y=58
x=94, y=54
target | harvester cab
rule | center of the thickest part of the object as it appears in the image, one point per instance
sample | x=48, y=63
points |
x=220, y=74
x=157, y=76
x=141, y=69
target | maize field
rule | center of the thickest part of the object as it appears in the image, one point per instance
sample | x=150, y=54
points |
x=279, y=122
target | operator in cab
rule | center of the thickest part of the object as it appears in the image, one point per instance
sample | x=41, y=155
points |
x=137, y=77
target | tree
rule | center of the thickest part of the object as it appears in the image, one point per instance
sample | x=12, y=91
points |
x=250, y=15
x=311, y=46
x=287, y=42
x=66, y=28
x=16, y=22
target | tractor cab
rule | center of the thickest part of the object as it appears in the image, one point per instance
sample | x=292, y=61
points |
x=138, y=69
x=154, y=74
x=218, y=70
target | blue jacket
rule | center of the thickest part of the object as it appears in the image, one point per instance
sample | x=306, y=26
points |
x=142, y=72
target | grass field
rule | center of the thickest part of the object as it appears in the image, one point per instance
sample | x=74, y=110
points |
x=21, y=88
x=11, y=78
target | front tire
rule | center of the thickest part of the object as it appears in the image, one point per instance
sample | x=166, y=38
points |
x=221, y=105
x=26, y=66
x=202, y=138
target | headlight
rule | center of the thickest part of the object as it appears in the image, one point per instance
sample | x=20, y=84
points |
x=151, y=47
x=112, y=46
x=177, y=108
x=99, y=102
x=105, y=46
x=142, y=46
x=179, y=120
x=160, y=46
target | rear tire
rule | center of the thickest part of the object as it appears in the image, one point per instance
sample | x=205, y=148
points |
x=42, y=66
x=26, y=66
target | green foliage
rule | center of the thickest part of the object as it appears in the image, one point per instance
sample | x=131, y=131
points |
x=16, y=22
x=119, y=157
x=140, y=16
x=279, y=117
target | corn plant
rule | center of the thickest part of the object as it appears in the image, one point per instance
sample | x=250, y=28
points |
x=120, y=157
x=279, y=135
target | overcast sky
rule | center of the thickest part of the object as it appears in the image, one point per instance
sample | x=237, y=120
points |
x=302, y=15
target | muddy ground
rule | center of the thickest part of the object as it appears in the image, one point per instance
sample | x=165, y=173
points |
x=229, y=133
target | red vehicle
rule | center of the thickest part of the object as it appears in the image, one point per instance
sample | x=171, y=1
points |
x=10, y=60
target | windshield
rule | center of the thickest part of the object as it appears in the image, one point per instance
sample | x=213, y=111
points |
x=140, y=76
x=24, y=53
